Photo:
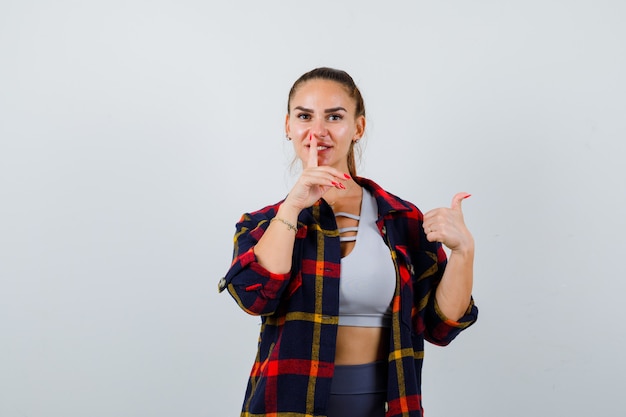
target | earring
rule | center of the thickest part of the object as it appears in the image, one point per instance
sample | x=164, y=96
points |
x=287, y=136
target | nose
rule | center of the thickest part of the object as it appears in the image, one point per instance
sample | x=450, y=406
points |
x=319, y=129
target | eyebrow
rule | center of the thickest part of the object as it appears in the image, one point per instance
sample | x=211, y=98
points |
x=332, y=110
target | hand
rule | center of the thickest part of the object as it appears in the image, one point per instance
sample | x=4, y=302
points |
x=314, y=181
x=446, y=225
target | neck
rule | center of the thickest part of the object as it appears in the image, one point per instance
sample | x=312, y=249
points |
x=335, y=196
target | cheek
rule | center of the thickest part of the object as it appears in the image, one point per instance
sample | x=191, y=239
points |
x=342, y=130
x=298, y=145
x=297, y=130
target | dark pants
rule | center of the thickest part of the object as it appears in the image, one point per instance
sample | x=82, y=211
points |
x=358, y=391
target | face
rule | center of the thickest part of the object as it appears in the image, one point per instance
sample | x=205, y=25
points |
x=324, y=109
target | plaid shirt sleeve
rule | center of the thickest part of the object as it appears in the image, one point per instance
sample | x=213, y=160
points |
x=256, y=290
x=423, y=263
x=439, y=329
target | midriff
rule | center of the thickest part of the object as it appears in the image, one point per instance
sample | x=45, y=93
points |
x=359, y=345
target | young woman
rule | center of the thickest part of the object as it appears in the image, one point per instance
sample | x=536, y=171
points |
x=348, y=278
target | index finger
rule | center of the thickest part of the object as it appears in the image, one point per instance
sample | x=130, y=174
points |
x=312, y=162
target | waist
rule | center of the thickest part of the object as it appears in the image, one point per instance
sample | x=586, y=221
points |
x=366, y=378
x=361, y=345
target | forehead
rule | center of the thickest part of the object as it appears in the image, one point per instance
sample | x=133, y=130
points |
x=322, y=93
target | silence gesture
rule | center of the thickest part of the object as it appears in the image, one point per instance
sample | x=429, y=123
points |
x=314, y=181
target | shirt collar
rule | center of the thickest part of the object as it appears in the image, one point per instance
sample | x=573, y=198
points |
x=387, y=202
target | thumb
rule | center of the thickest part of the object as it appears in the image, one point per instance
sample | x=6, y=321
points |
x=457, y=199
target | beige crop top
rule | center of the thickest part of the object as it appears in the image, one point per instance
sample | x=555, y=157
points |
x=368, y=275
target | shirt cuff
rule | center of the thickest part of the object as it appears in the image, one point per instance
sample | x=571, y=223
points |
x=468, y=317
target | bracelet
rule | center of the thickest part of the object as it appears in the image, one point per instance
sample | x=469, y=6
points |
x=289, y=225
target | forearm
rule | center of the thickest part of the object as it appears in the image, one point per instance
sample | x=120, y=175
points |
x=455, y=289
x=275, y=248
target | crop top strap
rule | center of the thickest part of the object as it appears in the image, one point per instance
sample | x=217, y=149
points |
x=343, y=230
x=347, y=238
x=348, y=215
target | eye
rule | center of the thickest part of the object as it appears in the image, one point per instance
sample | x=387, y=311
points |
x=335, y=117
x=303, y=116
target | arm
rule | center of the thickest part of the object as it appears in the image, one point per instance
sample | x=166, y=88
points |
x=275, y=248
x=256, y=290
x=262, y=260
x=446, y=225
x=454, y=292
x=452, y=308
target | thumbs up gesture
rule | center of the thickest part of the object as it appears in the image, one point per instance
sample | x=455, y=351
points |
x=446, y=225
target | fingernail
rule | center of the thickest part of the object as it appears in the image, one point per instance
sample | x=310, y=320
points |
x=336, y=184
x=347, y=176
x=343, y=187
x=467, y=196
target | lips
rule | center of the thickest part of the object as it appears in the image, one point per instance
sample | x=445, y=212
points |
x=321, y=147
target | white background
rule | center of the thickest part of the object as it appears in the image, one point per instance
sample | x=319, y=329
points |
x=133, y=135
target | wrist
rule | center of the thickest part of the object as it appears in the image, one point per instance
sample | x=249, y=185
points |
x=465, y=250
x=288, y=212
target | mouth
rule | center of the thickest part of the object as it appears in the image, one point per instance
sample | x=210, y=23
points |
x=320, y=147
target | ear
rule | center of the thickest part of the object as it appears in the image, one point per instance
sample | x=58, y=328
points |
x=360, y=127
x=287, y=124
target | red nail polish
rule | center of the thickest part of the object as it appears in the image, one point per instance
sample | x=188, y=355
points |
x=336, y=184
x=343, y=187
x=467, y=196
x=347, y=176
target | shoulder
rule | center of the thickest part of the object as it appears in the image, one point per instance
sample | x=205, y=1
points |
x=267, y=210
x=387, y=201
x=259, y=215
